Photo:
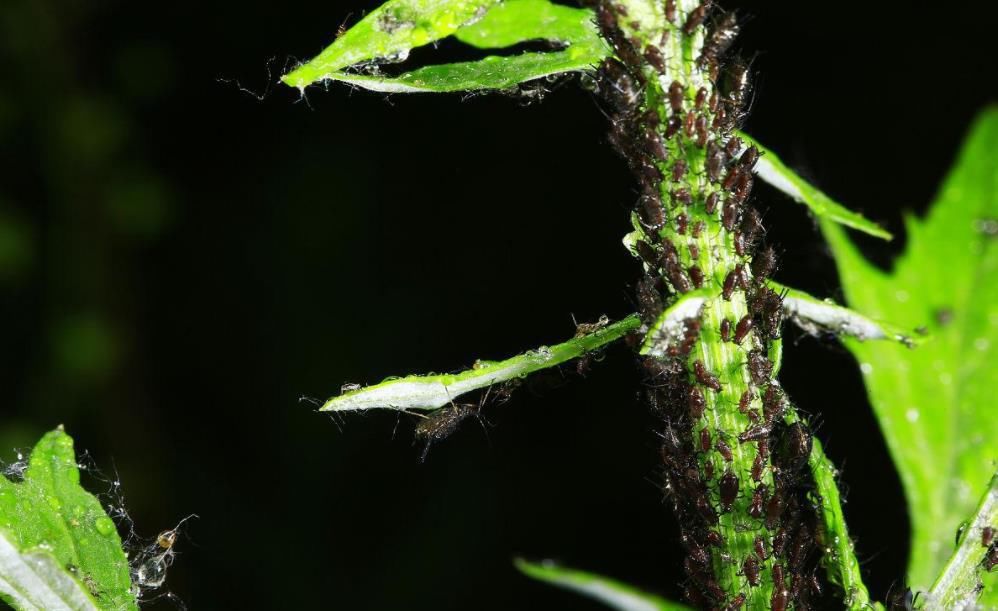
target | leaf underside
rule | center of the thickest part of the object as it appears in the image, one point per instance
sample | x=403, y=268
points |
x=936, y=404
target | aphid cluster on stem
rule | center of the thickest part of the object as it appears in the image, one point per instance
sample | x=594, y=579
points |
x=672, y=121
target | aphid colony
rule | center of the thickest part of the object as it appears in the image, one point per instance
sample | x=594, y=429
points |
x=734, y=455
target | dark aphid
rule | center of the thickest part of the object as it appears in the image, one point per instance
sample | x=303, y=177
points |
x=651, y=118
x=712, y=102
x=701, y=129
x=780, y=599
x=991, y=560
x=654, y=56
x=764, y=448
x=815, y=584
x=705, y=509
x=708, y=470
x=714, y=538
x=721, y=37
x=749, y=158
x=678, y=170
x=700, y=98
x=651, y=212
x=617, y=86
x=649, y=299
x=441, y=423
x=796, y=445
x=696, y=276
x=743, y=328
x=649, y=173
x=736, y=603
x=729, y=284
x=690, y=124
x=710, y=204
x=695, y=18
x=647, y=253
x=735, y=84
x=769, y=309
x=758, y=501
x=677, y=94
x=774, y=509
x=698, y=228
x=760, y=368
x=728, y=487
x=764, y=264
x=606, y=17
x=742, y=188
x=682, y=196
x=753, y=415
x=720, y=118
x=682, y=222
x=724, y=449
x=729, y=214
x=758, y=466
x=755, y=433
x=741, y=243
x=670, y=10
x=760, y=548
x=773, y=403
x=705, y=377
x=726, y=337
x=731, y=179
x=744, y=401
x=655, y=145
x=716, y=161
x=751, y=227
x=733, y=146
x=697, y=553
x=677, y=275
x=780, y=541
x=751, y=569
x=801, y=546
x=704, y=440
x=987, y=536
x=674, y=125
x=696, y=402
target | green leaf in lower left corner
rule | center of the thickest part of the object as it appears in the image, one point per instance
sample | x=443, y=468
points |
x=56, y=541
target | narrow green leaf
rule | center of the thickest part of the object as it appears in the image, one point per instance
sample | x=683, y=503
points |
x=55, y=538
x=961, y=582
x=776, y=173
x=390, y=32
x=434, y=391
x=824, y=315
x=611, y=592
x=839, y=557
x=936, y=404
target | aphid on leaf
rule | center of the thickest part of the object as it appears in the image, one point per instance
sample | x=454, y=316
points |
x=651, y=213
x=696, y=402
x=728, y=488
x=733, y=146
x=695, y=19
x=758, y=466
x=649, y=299
x=696, y=276
x=721, y=37
x=705, y=377
x=689, y=124
x=700, y=98
x=678, y=170
x=655, y=145
x=758, y=501
x=736, y=603
x=743, y=328
x=749, y=158
x=674, y=125
x=698, y=228
x=710, y=204
x=670, y=10
x=760, y=368
x=764, y=263
x=760, y=548
x=755, y=433
x=704, y=440
x=682, y=221
x=987, y=536
x=677, y=94
x=774, y=509
x=682, y=196
x=617, y=86
x=729, y=284
x=724, y=450
x=773, y=402
x=726, y=337
x=729, y=214
x=654, y=57
x=751, y=569
x=647, y=253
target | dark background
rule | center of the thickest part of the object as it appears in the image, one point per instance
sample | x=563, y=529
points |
x=180, y=261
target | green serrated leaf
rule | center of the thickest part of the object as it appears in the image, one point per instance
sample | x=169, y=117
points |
x=62, y=536
x=776, y=173
x=507, y=24
x=608, y=591
x=935, y=404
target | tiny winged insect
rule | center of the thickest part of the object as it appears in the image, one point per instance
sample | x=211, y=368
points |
x=150, y=565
